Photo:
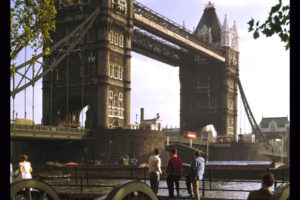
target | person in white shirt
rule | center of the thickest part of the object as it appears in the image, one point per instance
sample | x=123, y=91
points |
x=25, y=167
x=155, y=170
x=11, y=172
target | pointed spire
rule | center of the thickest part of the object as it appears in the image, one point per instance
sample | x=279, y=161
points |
x=226, y=34
x=209, y=5
x=235, y=29
x=235, y=38
x=225, y=25
x=183, y=25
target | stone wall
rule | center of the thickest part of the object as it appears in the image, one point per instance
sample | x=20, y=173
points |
x=115, y=144
x=108, y=145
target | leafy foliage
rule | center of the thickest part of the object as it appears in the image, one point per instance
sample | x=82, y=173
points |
x=31, y=22
x=277, y=23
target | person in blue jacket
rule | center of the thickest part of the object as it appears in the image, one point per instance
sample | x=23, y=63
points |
x=195, y=175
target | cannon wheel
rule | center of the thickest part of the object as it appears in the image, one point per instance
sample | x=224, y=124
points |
x=45, y=190
x=131, y=190
x=282, y=192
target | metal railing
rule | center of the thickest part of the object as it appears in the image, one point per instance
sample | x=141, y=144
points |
x=42, y=128
x=20, y=130
x=143, y=40
x=174, y=139
x=85, y=181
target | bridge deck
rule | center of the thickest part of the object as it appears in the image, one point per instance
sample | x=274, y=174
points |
x=19, y=131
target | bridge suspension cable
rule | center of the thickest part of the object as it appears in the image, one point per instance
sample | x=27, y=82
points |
x=250, y=116
x=73, y=37
x=25, y=105
x=82, y=78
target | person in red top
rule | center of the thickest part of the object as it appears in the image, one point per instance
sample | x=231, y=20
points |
x=174, y=171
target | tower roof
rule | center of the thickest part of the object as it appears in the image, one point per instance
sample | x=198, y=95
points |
x=281, y=121
x=210, y=19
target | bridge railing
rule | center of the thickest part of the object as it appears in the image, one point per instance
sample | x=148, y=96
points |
x=143, y=40
x=173, y=139
x=163, y=21
x=42, y=128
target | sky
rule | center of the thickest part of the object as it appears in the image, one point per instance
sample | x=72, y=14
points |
x=264, y=66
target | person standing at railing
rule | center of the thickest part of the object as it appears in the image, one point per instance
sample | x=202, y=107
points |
x=174, y=171
x=25, y=167
x=196, y=175
x=155, y=170
x=264, y=193
x=11, y=173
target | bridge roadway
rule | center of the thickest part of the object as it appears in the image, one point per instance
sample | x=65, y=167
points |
x=41, y=132
x=19, y=131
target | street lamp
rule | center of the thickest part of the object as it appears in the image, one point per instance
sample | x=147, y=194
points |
x=207, y=148
x=109, y=149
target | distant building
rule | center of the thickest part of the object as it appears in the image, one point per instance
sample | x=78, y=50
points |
x=274, y=124
x=275, y=128
x=131, y=126
x=150, y=124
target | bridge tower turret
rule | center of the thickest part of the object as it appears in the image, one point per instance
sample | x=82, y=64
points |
x=97, y=73
x=225, y=35
x=208, y=93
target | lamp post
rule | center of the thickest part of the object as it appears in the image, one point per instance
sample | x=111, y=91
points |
x=207, y=149
x=281, y=150
x=58, y=113
x=109, y=149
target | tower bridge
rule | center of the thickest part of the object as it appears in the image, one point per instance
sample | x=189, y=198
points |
x=90, y=65
x=207, y=71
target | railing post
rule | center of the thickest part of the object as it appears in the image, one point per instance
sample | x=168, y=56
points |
x=203, y=188
x=282, y=175
x=76, y=173
x=131, y=171
x=144, y=174
x=81, y=183
x=87, y=175
x=275, y=185
x=210, y=179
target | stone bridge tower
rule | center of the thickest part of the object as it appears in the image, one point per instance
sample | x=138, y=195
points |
x=208, y=93
x=97, y=73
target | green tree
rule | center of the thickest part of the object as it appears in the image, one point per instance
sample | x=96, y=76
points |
x=31, y=24
x=278, y=22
